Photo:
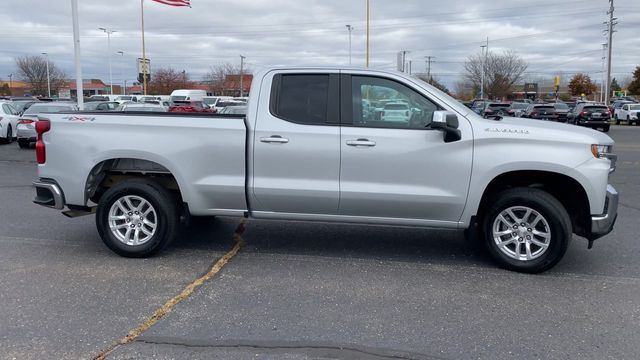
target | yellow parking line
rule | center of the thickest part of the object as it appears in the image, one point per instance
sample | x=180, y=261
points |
x=185, y=293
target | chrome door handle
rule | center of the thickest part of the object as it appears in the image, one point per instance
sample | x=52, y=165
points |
x=274, y=139
x=361, y=142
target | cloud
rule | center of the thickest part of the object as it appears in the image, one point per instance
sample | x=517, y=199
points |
x=554, y=37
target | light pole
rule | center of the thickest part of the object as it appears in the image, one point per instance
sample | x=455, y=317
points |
x=350, y=29
x=241, y=75
x=482, y=61
x=122, y=72
x=109, y=32
x=10, y=81
x=48, y=77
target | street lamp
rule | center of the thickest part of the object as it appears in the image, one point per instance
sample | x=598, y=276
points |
x=109, y=32
x=350, y=29
x=122, y=71
x=48, y=77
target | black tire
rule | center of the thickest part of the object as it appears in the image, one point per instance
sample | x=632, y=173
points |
x=9, y=138
x=617, y=120
x=606, y=128
x=23, y=143
x=558, y=225
x=167, y=217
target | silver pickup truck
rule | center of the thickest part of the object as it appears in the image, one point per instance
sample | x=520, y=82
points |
x=334, y=145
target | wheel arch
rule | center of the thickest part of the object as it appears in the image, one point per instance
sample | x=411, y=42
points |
x=111, y=171
x=567, y=190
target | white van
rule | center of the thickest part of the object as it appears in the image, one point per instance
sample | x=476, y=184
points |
x=187, y=95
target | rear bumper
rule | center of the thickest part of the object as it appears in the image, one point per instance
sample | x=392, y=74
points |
x=48, y=194
x=601, y=225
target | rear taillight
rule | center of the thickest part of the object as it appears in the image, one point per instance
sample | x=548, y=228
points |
x=584, y=113
x=534, y=114
x=42, y=126
x=25, y=121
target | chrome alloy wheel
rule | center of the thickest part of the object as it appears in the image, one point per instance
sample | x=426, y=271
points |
x=521, y=233
x=132, y=220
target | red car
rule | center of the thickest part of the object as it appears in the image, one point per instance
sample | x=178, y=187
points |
x=190, y=107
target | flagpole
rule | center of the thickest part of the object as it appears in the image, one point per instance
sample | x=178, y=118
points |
x=76, y=47
x=144, y=55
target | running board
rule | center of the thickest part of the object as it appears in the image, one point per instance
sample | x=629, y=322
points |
x=74, y=213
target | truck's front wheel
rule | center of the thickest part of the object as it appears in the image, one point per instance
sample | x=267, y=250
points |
x=137, y=218
x=527, y=230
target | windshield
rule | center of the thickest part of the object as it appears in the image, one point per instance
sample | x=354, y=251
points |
x=495, y=106
x=178, y=98
x=40, y=108
x=210, y=101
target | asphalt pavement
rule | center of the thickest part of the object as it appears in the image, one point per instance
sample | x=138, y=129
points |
x=303, y=290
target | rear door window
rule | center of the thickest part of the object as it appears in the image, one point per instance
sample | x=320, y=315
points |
x=301, y=98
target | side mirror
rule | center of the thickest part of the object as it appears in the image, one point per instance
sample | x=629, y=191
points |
x=447, y=122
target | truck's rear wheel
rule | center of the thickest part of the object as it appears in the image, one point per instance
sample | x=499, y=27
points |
x=137, y=218
x=527, y=230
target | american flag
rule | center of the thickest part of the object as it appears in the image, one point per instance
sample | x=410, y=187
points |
x=175, y=2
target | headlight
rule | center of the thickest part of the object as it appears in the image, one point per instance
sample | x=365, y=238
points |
x=605, y=152
x=601, y=151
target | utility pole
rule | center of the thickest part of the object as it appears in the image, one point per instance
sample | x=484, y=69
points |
x=482, y=61
x=429, y=67
x=122, y=72
x=604, y=48
x=241, y=75
x=48, y=77
x=10, y=81
x=367, y=57
x=109, y=32
x=611, y=30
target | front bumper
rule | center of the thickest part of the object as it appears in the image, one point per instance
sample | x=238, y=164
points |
x=601, y=225
x=48, y=194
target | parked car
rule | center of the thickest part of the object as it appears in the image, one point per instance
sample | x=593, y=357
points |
x=615, y=107
x=187, y=106
x=187, y=95
x=8, y=121
x=235, y=109
x=517, y=108
x=591, y=115
x=141, y=107
x=27, y=123
x=101, y=106
x=495, y=109
x=396, y=112
x=125, y=98
x=628, y=112
x=562, y=110
x=524, y=187
x=93, y=98
x=22, y=104
x=541, y=112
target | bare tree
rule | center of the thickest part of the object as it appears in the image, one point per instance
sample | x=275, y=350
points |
x=165, y=80
x=501, y=72
x=33, y=71
x=218, y=73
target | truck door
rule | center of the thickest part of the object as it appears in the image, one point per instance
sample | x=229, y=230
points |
x=393, y=165
x=296, y=146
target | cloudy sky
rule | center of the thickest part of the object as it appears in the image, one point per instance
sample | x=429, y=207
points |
x=554, y=37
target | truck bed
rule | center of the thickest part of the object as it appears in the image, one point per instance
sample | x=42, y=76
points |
x=205, y=153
